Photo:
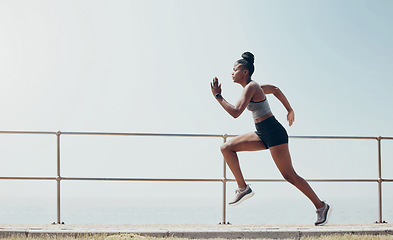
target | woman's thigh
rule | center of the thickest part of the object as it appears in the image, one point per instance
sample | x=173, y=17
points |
x=245, y=142
x=282, y=158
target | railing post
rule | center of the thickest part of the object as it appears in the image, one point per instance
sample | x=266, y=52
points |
x=224, y=188
x=380, y=180
x=58, y=177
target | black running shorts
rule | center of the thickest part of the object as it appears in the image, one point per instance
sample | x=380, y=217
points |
x=271, y=132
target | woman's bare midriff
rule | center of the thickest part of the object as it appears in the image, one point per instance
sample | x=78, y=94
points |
x=264, y=117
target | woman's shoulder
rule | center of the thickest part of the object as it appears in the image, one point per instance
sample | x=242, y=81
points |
x=256, y=88
x=254, y=85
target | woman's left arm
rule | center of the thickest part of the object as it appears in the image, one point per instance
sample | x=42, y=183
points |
x=270, y=89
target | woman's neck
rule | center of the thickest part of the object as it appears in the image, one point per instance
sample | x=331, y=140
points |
x=245, y=82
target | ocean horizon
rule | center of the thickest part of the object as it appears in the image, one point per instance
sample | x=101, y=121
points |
x=118, y=211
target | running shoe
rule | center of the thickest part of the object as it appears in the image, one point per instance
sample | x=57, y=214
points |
x=323, y=215
x=241, y=195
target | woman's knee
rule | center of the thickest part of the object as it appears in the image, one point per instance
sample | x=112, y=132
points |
x=291, y=177
x=226, y=147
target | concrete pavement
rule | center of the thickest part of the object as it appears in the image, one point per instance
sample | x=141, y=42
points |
x=200, y=231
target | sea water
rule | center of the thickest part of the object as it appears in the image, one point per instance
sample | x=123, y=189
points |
x=117, y=211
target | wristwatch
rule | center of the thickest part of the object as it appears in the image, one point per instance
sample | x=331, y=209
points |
x=218, y=95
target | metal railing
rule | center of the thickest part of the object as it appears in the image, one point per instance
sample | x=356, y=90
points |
x=58, y=178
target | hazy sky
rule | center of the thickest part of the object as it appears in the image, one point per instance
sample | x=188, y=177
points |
x=145, y=66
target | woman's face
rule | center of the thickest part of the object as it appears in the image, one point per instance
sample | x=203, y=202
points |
x=238, y=73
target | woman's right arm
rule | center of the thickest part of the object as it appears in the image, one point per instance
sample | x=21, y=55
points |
x=237, y=110
x=271, y=89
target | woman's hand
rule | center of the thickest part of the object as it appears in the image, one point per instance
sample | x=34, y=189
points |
x=291, y=117
x=215, y=86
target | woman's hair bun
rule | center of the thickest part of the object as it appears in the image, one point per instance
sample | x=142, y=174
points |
x=249, y=57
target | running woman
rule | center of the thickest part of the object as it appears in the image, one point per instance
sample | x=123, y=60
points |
x=269, y=134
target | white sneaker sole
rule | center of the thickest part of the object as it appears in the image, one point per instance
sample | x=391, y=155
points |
x=241, y=200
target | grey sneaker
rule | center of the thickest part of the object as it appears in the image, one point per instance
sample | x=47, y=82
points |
x=323, y=215
x=241, y=195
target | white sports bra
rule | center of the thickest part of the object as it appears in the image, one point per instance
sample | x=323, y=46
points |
x=259, y=109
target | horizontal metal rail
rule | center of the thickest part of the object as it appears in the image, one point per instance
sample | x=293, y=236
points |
x=334, y=137
x=184, y=179
x=26, y=132
x=27, y=178
x=223, y=180
x=183, y=135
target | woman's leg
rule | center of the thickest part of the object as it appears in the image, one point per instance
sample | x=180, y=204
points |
x=282, y=158
x=245, y=142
